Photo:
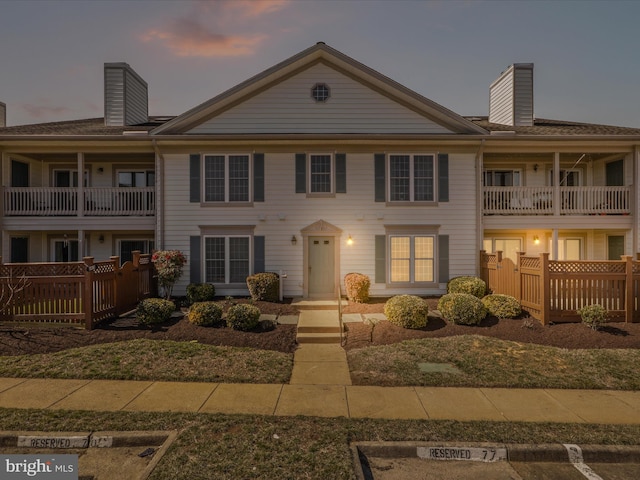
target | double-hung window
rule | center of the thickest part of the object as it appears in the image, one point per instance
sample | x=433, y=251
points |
x=227, y=178
x=412, y=258
x=411, y=178
x=227, y=259
x=320, y=174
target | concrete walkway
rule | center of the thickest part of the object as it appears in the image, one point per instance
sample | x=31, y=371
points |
x=301, y=397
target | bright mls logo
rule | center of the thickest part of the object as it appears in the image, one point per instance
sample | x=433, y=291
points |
x=58, y=467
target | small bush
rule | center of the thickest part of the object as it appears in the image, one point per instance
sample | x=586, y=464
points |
x=205, y=314
x=264, y=286
x=472, y=285
x=462, y=308
x=243, y=317
x=407, y=311
x=151, y=311
x=357, y=287
x=502, y=306
x=200, y=292
x=595, y=316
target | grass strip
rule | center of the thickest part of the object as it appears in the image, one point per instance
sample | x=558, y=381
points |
x=263, y=447
x=490, y=362
x=144, y=359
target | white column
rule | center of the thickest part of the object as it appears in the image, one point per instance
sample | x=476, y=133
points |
x=556, y=184
x=80, y=190
x=554, y=244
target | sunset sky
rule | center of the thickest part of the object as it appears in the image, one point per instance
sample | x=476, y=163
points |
x=586, y=53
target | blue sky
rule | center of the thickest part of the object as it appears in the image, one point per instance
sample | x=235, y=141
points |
x=586, y=57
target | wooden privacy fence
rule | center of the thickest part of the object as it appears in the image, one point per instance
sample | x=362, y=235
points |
x=80, y=293
x=553, y=290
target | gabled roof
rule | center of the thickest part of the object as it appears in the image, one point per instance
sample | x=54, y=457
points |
x=319, y=53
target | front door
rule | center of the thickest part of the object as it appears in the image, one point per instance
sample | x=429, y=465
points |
x=321, y=266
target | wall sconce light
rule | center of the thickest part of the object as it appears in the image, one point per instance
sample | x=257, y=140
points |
x=535, y=167
x=100, y=170
x=101, y=238
x=349, y=240
x=294, y=240
x=536, y=240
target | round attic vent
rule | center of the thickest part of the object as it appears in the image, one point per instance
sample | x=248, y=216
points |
x=320, y=92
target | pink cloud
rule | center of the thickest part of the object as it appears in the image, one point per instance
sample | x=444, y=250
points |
x=40, y=111
x=200, y=32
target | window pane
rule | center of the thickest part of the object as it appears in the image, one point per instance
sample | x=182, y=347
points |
x=238, y=178
x=214, y=178
x=424, y=270
x=424, y=247
x=400, y=259
x=214, y=260
x=125, y=179
x=238, y=259
x=320, y=173
x=509, y=247
x=423, y=266
x=423, y=178
x=399, y=177
x=572, y=251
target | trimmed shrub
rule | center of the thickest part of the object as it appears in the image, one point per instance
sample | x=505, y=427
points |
x=502, y=306
x=205, y=314
x=264, y=286
x=472, y=285
x=151, y=311
x=406, y=311
x=243, y=317
x=200, y=292
x=595, y=316
x=357, y=287
x=462, y=308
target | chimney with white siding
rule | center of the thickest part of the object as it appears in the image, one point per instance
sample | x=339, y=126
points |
x=511, y=96
x=3, y=115
x=125, y=96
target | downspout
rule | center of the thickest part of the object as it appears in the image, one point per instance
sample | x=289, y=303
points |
x=479, y=203
x=159, y=166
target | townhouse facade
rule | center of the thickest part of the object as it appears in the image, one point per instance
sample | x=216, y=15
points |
x=314, y=168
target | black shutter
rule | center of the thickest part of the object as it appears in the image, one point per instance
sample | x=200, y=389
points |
x=341, y=173
x=443, y=177
x=258, y=254
x=443, y=258
x=301, y=173
x=380, y=177
x=195, y=260
x=258, y=177
x=194, y=178
x=381, y=259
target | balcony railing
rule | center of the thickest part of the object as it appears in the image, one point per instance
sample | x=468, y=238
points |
x=63, y=201
x=594, y=200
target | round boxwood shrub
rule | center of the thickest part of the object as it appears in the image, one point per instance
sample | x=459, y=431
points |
x=357, y=287
x=264, y=286
x=243, y=317
x=462, y=308
x=151, y=311
x=200, y=292
x=594, y=316
x=472, y=285
x=205, y=314
x=502, y=306
x=406, y=311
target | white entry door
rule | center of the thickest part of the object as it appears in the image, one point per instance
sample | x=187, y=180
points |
x=321, y=266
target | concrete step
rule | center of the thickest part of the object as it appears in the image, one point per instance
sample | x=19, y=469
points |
x=318, y=338
x=306, y=304
x=319, y=329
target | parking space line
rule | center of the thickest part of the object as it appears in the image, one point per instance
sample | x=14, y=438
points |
x=575, y=457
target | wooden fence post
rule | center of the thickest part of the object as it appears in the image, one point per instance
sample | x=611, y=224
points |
x=518, y=279
x=629, y=297
x=116, y=274
x=88, y=292
x=545, y=291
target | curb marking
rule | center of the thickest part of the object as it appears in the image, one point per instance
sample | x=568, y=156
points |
x=575, y=457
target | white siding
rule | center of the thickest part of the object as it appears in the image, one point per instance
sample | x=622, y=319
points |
x=511, y=97
x=113, y=96
x=523, y=97
x=288, y=108
x=3, y=115
x=355, y=213
x=136, y=101
x=501, y=100
x=125, y=96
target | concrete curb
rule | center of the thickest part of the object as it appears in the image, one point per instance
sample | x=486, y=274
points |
x=106, y=439
x=556, y=453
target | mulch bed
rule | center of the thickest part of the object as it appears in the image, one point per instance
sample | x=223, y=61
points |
x=18, y=340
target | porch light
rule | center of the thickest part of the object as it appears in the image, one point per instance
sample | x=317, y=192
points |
x=536, y=240
x=101, y=238
x=294, y=240
x=349, y=240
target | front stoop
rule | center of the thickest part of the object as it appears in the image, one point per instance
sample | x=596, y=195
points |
x=318, y=326
x=320, y=365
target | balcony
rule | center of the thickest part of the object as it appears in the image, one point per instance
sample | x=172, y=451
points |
x=593, y=200
x=63, y=201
